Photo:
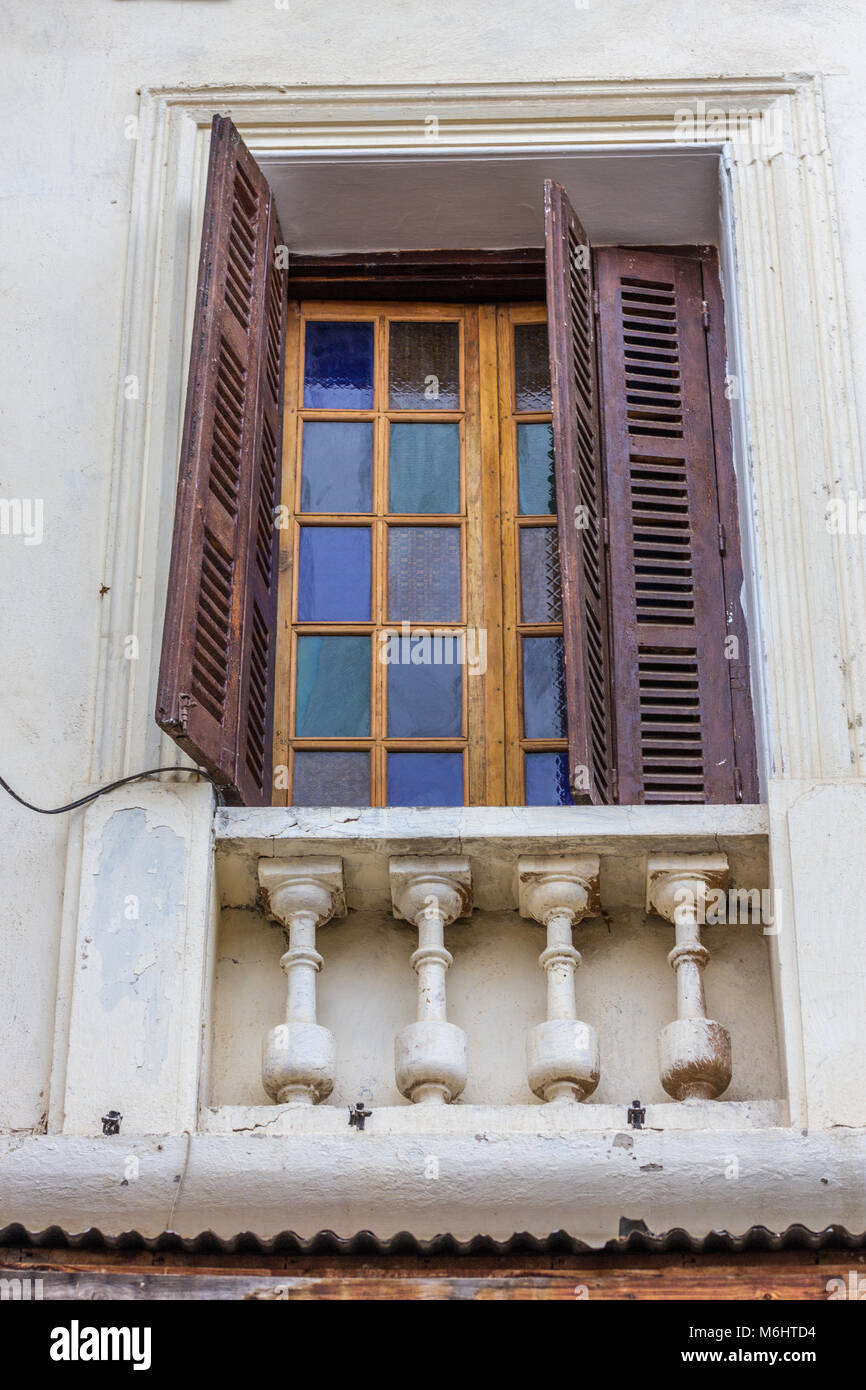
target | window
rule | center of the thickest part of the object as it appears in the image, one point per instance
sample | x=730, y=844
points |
x=447, y=478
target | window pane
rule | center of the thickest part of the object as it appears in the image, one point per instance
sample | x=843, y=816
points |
x=334, y=574
x=543, y=688
x=425, y=779
x=424, y=468
x=547, y=779
x=337, y=466
x=331, y=779
x=424, y=366
x=531, y=367
x=540, y=580
x=536, y=479
x=332, y=697
x=424, y=574
x=425, y=687
x=338, y=366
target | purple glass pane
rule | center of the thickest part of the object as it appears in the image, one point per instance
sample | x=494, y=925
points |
x=425, y=779
x=334, y=574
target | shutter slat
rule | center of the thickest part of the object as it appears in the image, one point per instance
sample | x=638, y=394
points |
x=217, y=669
x=579, y=485
x=671, y=679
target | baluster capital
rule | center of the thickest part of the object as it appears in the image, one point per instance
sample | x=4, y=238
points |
x=419, y=884
x=310, y=885
x=558, y=885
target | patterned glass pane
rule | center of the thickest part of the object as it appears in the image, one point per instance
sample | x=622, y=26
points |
x=547, y=779
x=425, y=779
x=337, y=466
x=424, y=366
x=424, y=468
x=425, y=687
x=540, y=581
x=536, y=480
x=334, y=574
x=424, y=574
x=531, y=367
x=338, y=366
x=331, y=779
x=333, y=687
x=543, y=688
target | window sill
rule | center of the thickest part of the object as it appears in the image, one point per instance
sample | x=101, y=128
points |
x=491, y=836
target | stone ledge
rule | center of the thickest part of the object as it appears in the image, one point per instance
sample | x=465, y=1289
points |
x=504, y=1120
x=489, y=1184
x=492, y=837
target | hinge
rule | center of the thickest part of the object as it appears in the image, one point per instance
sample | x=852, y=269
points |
x=706, y=315
x=186, y=704
x=605, y=531
x=595, y=302
x=614, y=784
x=723, y=540
x=738, y=784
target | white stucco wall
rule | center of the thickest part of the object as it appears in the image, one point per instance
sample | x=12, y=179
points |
x=70, y=73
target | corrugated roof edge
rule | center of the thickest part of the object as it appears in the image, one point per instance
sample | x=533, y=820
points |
x=636, y=1238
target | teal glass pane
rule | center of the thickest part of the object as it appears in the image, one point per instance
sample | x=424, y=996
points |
x=425, y=779
x=424, y=468
x=334, y=574
x=338, y=365
x=536, y=480
x=332, y=697
x=424, y=366
x=337, y=466
x=543, y=688
x=540, y=579
x=531, y=367
x=424, y=574
x=330, y=779
x=425, y=686
x=546, y=777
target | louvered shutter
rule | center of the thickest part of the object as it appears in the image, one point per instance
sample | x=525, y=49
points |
x=670, y=612
x=217, y=671
x=579, y=498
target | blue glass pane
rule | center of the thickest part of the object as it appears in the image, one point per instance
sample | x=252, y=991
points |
x=337, y=466
x=338, y=366
x=536, y=481
x=424, y=574
x=332, y=697
x=425, y=779
x=424, y=468
x=331, y=779
x=334, y=574
x=425, y=686
x=543, y=688
x=547, y=779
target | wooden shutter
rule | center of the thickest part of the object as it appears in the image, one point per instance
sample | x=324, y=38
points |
x=217, y=670
x=579, y=498
x=672, y=602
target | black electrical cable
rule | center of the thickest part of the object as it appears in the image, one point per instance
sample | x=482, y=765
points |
x=91, y=796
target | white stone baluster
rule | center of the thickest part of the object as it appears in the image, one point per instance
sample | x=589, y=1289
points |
x=299, y=1057
x=694, y=1051
x=562, y=1058
x=430, y=1054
